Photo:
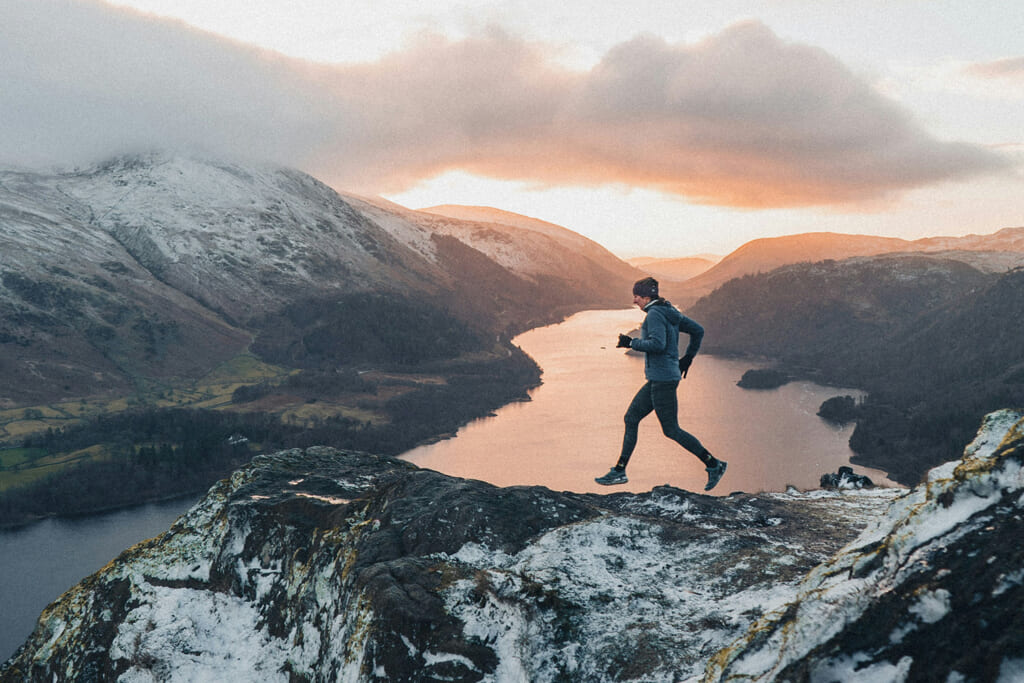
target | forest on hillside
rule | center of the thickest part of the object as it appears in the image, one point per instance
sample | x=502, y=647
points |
x=936, y=344
x=412, y=371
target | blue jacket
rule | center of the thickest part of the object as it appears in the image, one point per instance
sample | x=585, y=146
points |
x=659, y=340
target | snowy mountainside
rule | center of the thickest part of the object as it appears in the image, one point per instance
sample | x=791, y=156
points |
x=486, y=214
x=524, y=245
x=77, y=312
x=241, y=239
x=160, y=265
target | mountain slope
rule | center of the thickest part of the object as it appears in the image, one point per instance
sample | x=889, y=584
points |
x=159, y=266
x=813, y=314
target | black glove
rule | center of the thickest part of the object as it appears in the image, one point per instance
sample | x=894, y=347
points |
x=684, y=364
x=624, y=342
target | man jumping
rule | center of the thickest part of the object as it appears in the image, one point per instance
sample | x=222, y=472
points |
x=663, y=368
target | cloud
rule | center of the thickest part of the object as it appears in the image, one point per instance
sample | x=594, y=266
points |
x=1009, y=68
x=742, y=118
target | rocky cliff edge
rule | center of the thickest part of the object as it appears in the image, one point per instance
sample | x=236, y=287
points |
x=322, y=565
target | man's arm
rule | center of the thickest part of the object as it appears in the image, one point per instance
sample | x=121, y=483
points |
x=696, y=332
x=656, y=340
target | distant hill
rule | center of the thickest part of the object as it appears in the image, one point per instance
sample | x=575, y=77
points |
x=995, y=252
x=677, y=269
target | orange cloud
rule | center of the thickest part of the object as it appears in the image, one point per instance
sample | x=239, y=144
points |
x=740, y=119
x=1009, y=68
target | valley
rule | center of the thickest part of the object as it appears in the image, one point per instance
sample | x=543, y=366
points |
x=276, y=305
x=262, y=307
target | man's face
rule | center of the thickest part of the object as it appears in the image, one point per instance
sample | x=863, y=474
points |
x=641, y=301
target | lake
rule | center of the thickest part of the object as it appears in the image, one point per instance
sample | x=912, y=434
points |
x=571, y=429
x=40, y=561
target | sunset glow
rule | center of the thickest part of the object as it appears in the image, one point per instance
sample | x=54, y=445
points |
x=670, y=131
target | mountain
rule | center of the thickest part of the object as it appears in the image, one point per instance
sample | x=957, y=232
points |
x=476, y=225
x=674, y=269
x=997, y=252
x=155, y=267
x=322, y=565
x=809, y=314
x=163, y=318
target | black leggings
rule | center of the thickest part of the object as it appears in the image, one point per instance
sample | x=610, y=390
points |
x=659, y=397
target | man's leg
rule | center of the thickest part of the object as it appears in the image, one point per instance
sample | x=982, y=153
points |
x=666, y=406
x=639, y=408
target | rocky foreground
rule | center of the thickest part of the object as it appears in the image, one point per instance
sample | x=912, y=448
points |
x=322, y=565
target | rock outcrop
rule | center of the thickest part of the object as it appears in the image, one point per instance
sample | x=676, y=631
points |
x=931, y=592
x=321, y=565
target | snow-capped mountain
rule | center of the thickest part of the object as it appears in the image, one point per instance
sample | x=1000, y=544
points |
x=320, y=565
x=78, y=313
x=240, y=239
x=157, y=265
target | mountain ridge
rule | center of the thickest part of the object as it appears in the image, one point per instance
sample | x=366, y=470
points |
x=765, y=254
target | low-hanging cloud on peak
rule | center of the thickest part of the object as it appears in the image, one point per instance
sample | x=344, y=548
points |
x=742, y=118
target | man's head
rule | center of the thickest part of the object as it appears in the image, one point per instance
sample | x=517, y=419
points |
x=644, y=291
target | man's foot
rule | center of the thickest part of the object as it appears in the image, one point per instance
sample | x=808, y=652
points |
x=715, y=473
x=614, y=476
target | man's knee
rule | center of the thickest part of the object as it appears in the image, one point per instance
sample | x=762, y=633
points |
x=670, y=430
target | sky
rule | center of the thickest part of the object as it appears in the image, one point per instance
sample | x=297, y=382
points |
x=656, y=128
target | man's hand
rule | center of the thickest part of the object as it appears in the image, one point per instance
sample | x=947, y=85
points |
x=684, y=364
x=624, y=342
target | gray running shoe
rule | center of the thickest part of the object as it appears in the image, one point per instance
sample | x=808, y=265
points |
x=715, y=473
x=614, y=476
